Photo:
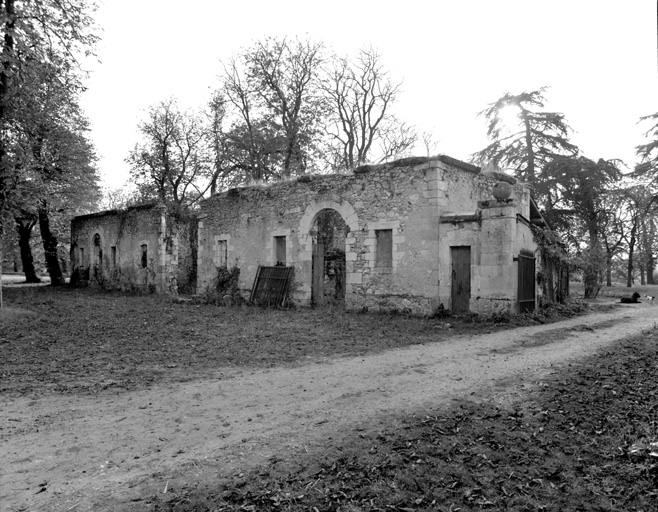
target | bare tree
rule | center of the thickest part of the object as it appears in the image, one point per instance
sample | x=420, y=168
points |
x=285, y=76
x=430, y=145
x=245, y=136
x=361, y=95
x=274, y=106
x=221, y=167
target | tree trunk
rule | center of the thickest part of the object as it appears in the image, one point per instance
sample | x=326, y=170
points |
x=608, y=270
x=530, y=170
x=2, y=238
x=24, y=230
x=650, y=270
x=547, y=284
x=642, y=281
x=631, y=249
x=50, y=249
x=649, y=235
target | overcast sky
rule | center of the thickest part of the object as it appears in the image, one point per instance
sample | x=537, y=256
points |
x=599, y=58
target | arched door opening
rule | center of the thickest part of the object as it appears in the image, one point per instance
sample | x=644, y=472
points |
x=329, y=231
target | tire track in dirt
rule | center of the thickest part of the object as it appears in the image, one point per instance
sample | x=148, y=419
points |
x=109, y=451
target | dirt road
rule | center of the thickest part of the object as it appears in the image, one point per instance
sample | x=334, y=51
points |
x=109, y=451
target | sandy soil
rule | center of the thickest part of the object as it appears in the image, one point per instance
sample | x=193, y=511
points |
x=111, y=451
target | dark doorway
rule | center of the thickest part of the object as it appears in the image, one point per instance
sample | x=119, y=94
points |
x=317, y=287
x=526, y=292
x=461, y=278
x=328, y=281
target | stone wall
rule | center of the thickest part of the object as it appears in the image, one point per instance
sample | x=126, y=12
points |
x=398, y=226
x=496, y=232
x=133, y=249
x=239, y=228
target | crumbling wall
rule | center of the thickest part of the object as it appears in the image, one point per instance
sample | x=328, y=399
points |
x=404, y=200
x=132, y=249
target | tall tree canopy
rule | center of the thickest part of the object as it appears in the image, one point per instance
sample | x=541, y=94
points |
x=43, y=145
x=37, y=34
x=527, y=139
x=648, y=152
x=172, y=163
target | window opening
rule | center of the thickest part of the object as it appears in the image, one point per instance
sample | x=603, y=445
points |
x=222, y=253
x=384, y=248
x=144, y=256
x=113, y=254
x=280, y=250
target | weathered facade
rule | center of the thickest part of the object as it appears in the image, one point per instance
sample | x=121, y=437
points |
x=139, y=248
x=408, y=236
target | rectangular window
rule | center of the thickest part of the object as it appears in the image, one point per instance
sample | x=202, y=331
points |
x=280, y=250
x=113, y=254
x=222, y=253
x=82, y=257
x=144, y=256
x=384, y=248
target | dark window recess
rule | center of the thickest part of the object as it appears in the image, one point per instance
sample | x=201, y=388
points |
x=222, y=250
x=144, y=256
x=384, y=248
x=98, y=252
x=113, y=253
x=82, y=256
x=280, y=250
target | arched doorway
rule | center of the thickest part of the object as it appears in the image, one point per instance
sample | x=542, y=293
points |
x=328, y=231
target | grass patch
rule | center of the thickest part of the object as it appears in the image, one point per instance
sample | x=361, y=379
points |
x=616, y=291
x=583, y=441
x=86, y=340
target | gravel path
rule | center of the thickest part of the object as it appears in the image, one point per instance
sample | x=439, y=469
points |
x=109, y=451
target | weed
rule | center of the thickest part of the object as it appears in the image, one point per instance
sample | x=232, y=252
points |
x=225, y=290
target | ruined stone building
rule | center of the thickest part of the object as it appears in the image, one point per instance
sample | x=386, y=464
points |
x=408, y=235
x=139, y=248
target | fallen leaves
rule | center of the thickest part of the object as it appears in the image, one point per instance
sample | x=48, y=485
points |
x=568, y=444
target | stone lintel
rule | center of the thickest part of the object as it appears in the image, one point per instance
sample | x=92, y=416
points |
x=454, y=218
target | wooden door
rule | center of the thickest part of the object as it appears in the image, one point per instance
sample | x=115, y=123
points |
x=526, y=291
x=317, y=285
x=461, y=278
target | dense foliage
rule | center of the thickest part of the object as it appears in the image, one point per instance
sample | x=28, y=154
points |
x=47, y=164
x=604, y=217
